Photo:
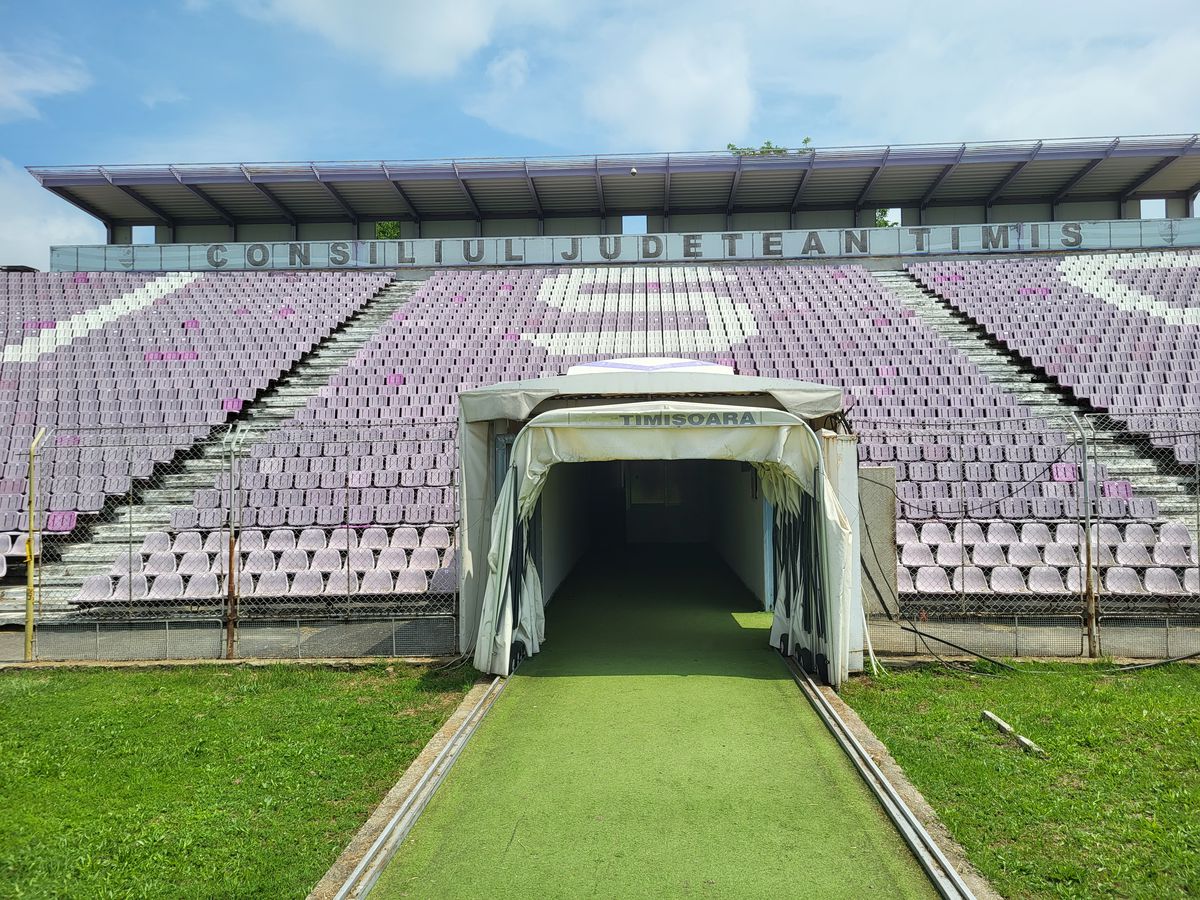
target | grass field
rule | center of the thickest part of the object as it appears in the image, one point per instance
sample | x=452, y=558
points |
x=1113, y=812
x=200, y=781
x=656, y=747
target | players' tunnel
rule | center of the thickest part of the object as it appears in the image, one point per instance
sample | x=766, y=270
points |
x=727, y=473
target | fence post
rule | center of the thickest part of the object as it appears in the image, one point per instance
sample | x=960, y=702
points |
x=1086, y=506
x=231, y=561
x=29, y=545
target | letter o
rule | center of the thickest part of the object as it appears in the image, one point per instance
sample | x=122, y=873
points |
x=257, y=255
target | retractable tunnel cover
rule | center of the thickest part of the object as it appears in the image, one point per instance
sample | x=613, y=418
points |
x=812, y=549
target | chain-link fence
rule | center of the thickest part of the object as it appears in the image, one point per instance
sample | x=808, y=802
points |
x=283, y=541
x=1037, y=536
x=1041, y=536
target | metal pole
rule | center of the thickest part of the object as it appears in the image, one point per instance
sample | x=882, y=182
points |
x=1089, y=585
x=29, y=554
x=231, y=562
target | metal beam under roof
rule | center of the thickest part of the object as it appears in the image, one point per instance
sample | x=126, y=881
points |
x=222, y=213
x=858, y=204
x=1008, y=179
x=946, y=172
x=533, y=194
x=337, y=198
x=404, y=198
x=1084, y=172
x=1158, y=167
x=288, y=215
x=466, y=192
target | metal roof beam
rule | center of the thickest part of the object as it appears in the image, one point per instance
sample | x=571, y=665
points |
x=287, y=214
x=81, y=205
x=337, y=198
x=600, y=191
x=408, y=204
x=946, y=172
x=733, y=186
x=533, y=194
x=1155, y=169
x=141, y=201
x=812, y=159
x=1008, y=179
x=204, y=198
x=667, y=190
x=1083, y=173
x=858, y=204
x=466, y=192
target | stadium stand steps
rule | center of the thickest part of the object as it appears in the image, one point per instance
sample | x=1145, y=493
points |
x=1115, y=447
x=149, y=509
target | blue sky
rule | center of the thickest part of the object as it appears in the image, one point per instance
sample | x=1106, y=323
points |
x=246, y=80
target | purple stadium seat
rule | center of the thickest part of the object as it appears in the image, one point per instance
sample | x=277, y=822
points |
x=411, y=581
x=376, y=582
x=131, y=587
x=1163, y=581
x=202, y=587
x=168, y=586
x=1123, y=581
x=95, y=589
x=1008, y=580
x=1133, y=555
x=1046, y=580
x=968, y=580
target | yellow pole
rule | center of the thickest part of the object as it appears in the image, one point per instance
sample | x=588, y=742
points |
x=29, y=554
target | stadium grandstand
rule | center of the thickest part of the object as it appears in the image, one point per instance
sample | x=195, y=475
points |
x=248, y=437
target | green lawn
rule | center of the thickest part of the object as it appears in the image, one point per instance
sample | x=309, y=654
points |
x=1113, y=812
x=656, y=747
x=200, y=781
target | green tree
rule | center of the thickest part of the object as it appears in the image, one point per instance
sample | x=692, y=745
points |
x=767, y=149
x=881, y=219
x=387, y=231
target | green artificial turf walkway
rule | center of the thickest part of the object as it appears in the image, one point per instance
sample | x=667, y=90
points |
x=655, y=747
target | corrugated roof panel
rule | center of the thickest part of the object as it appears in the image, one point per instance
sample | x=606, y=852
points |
x=241, y=200
x=698, y=191
x=1113, y=175
x=370, y=198
x=307, y=200
x=116, y=203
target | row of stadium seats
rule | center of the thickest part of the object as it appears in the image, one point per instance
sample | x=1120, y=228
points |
x=1043, y=581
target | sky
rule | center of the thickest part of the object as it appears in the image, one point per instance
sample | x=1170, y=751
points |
x=127, y=81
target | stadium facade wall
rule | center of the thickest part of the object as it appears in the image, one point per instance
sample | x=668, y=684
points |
x=432, y=251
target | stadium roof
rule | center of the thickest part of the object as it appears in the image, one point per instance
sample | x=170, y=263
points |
x=1046, y=171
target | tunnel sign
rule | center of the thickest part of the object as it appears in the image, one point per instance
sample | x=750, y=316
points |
x=689, y=420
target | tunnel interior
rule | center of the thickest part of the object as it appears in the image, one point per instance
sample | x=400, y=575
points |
x=634, y=515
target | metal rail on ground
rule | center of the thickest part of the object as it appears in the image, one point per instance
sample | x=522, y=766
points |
x=367, y=872
x=942, y=874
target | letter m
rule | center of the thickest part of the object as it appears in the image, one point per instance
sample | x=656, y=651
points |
x=995, y=238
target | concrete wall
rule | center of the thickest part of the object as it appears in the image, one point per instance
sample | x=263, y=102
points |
x=1019, y=212
x=737, y=526
x=954, y=215
x=826, y=218
x=877, y=508
x=565, y=532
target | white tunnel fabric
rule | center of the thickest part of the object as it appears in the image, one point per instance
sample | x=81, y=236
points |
x=516, y=400
x=781, y=446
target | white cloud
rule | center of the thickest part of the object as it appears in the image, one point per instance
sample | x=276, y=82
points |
x=509, y=71
x=161, y=95
x=405, y=37
x=687, y=87
x=29, y=76
x=34, y=219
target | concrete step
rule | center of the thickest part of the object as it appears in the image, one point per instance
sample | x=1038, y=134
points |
x=150, y=508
